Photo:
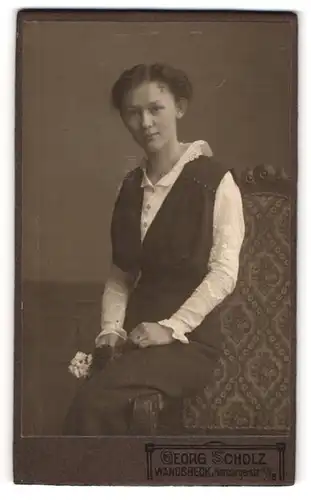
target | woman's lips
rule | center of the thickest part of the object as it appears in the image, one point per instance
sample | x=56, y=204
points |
x=149, y=137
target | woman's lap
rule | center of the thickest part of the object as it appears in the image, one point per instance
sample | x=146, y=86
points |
x=176, y=370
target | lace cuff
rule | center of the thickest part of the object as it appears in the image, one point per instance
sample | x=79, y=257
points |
x=111, y=329
x=178, y=329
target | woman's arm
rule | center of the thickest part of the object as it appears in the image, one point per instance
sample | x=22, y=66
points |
x=114, y=303
x=223, y=263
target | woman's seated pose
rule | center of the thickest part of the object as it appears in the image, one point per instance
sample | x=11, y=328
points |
x=177, y=230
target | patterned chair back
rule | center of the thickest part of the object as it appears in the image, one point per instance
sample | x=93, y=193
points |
x=252, y=381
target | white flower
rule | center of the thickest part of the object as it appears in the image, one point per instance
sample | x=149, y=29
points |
x=80, y=356
x=80, y=365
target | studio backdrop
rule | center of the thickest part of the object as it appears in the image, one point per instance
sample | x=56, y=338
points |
x=75, y=153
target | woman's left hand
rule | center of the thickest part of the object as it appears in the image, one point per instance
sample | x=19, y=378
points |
x=148, y=334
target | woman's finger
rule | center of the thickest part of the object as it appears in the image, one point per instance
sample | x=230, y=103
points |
x=138, y=339
x=137, y=335
x=144, y=343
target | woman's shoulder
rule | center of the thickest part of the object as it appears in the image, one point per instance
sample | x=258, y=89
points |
x=207, y=170
x=132, y=177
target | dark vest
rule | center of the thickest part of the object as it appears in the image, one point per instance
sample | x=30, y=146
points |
x=172, y=259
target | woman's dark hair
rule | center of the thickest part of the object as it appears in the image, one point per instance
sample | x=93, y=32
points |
x=176, y=81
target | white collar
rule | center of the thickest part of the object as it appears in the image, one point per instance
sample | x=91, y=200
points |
x=195, y=149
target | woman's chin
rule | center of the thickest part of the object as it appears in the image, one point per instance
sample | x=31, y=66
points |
x=153, y=146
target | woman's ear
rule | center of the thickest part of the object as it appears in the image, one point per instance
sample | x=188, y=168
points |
x=181, y=108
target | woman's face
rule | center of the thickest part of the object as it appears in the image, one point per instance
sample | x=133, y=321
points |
x=150, y=112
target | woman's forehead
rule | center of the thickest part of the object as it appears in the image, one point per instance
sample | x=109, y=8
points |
x=146, y=93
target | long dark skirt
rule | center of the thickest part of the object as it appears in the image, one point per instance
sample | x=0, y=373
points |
x=102, y=405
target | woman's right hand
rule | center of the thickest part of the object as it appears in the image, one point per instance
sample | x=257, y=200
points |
x=110, y=339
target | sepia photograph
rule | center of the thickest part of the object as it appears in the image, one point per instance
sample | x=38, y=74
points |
x=156, y=161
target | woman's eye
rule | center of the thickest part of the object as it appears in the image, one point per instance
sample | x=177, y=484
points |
x=155, y=109
x=132, y=112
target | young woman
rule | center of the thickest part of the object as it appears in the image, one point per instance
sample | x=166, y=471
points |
x=176, y=231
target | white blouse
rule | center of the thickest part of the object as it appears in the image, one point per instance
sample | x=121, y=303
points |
x=222, y=264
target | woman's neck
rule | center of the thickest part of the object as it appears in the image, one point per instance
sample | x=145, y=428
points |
x=161, y=162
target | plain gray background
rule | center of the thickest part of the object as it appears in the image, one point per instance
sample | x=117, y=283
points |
x=76, y=150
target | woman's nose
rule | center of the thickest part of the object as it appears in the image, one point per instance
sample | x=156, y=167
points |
x=146, y=119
